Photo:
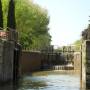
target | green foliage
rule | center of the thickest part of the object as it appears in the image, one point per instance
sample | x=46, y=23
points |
x=1, y=15
x=31, y=22
x=78, y=44
x=5, y=4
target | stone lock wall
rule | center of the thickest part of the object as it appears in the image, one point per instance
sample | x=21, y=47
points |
x=83, y=66
x=77, y=61
x=86, y=65
x=6, y=60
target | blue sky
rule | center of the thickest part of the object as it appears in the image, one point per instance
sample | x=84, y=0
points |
x=68, y=18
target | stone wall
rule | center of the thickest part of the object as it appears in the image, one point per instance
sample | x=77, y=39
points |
x=86, y=65
x=6, y=60
x=77, y=61
x=83, y=66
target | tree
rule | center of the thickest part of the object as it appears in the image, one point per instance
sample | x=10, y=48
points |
x=32, y=24
x=11, y=23
x=1, y=16
x=77, y=44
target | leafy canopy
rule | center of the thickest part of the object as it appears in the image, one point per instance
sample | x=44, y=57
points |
x=31, y=22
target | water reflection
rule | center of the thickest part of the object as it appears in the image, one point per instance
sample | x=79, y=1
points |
x=8, y=87
x=34, y=83
x=48, y=82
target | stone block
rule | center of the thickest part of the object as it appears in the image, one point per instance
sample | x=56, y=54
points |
x=88, y=77
x=88, y=69
x=87, y=55
x=88, y=61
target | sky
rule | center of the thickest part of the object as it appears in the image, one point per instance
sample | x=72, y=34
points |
x=68, y=18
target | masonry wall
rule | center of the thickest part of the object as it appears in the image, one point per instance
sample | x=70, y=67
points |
x=77, y=61
x=83, y=66
x=30, y=61
x=6, y=60
x=86, y=65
